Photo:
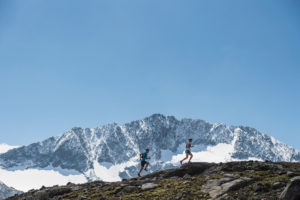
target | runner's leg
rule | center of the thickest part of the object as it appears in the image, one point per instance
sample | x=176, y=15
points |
x=142, y=167
x=147, y=163
x=186, y=157
x=191, y=157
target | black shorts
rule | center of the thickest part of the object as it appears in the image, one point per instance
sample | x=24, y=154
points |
x=143, y=163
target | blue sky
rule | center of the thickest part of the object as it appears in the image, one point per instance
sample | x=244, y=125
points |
x=89, y=63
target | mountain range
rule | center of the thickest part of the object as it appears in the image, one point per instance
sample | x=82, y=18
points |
x=110, y=152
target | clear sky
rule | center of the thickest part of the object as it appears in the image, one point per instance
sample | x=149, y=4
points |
x=92, y=62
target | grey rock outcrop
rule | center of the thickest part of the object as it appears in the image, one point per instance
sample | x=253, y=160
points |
x=292, y=190
x=217, y=187
x=149, y=186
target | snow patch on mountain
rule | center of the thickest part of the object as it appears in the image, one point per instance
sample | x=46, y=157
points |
x=5, y=147
x=221, y=152
x=111, y=173
x=25, y=180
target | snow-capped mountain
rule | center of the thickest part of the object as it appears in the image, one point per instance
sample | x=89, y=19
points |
x=110, y=152
x=6, y=191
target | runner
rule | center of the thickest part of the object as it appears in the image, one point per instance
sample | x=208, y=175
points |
x=143, y=157
x=188, y=151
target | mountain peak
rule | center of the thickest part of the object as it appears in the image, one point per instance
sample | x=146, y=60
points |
x=111, y=152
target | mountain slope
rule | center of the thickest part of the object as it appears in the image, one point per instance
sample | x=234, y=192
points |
x=110, y=152
x=6, y=191
x=5, y=147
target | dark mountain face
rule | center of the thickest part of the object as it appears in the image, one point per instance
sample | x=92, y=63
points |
x=79, y=148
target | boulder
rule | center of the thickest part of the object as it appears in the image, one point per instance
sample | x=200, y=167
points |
x=258, y=187
x=129, y=189
x=217, y=187
x=235, y=184
x=292, y=190
x=149, y=186
x=290, y=174
x=186, y=176
x=278, y=185
x=81, y=197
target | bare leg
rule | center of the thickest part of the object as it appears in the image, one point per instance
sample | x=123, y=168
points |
x=191, y=157
x=186, y=157
x=147, y=163
x=139, y=174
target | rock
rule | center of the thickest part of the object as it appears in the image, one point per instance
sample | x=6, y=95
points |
x=292, y=190
x=120, y=193
x=186, y=192
x=213, y=182
x=278, y=185
x=117, y=190
x=186, y=176
x=147, y=180
x=231, y=175
x=51, y=192
x=149, y=186
x=75, y=188
x=236, y=184
x=258, y=187
x=185, y=182
x=41, y=195
x=281, y=172
x=217, y=187
x=82, y=197
x=290, y=174
x=129, y=189
x=226, y=179
x=57, y=191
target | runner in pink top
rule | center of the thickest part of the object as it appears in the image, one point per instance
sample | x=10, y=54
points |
x=188, y=151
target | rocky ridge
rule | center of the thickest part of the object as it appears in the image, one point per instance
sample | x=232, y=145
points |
x=224, y=181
